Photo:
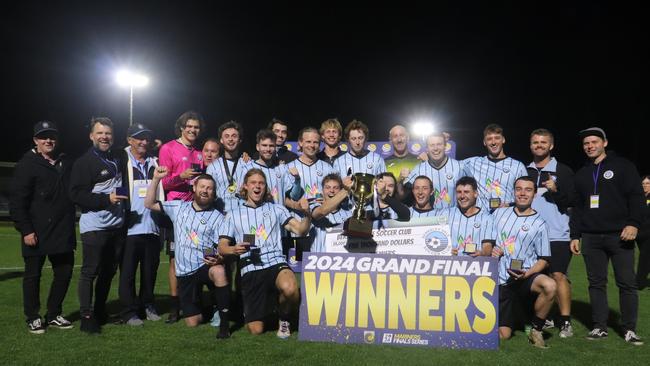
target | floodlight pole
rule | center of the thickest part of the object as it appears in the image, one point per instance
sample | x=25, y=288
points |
x=131, y=106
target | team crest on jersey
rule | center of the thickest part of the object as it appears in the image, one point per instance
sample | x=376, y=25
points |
x=319, y=173
x=266, y=214
x=369, y=165
x=494, y=185
x=477, y=224
x=259, y=232
x=506, y=170
x=199, y=157
x=508, y=243
x=441, y=195
x=608, y=174
x=184, y=158
x=450, y=177
x=525, y=227
x=203, y=221
x=103, y=172
x=278, y=174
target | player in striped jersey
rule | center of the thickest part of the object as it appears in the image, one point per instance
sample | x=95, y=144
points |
x=358, y=159
x=443, y=171
x=278, y=183
x=310, y=173
x=230, y=168
x=422, y=192
x=264, y=269
x=470, y=224
x=197, y=227
x=495, y=173
x=524, y=251
x=331, y=132
x=335, y=209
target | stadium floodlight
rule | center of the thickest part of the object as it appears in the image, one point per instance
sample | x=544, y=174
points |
x=423, y=128
x=131, y=80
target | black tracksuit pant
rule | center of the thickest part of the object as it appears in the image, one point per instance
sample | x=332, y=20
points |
x=597, y=250
x=142, y=250
x=62, y=264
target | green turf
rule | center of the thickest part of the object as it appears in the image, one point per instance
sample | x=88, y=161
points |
x=161, y=344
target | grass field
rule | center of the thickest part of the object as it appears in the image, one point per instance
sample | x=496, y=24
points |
x=159, y=343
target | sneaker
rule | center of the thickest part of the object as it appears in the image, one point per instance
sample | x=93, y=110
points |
x=60, y=322
x=632, y=338
x=596, y=333
x=536, y=338
x=283, y=330
x=566, y=330
x=36, y=326
x=135, y=322
x=89, y=325
x=152, y=314
x=548, y=324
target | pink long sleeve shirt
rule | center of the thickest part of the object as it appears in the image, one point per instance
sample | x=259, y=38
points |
x=178, y=158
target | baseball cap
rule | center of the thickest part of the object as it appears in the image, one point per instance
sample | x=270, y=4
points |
x=593, y=131
x=137, y=129
x=44, y=126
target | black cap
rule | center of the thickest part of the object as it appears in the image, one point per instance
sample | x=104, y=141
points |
x=593, y=131
x=44, y=126
x=137, y=129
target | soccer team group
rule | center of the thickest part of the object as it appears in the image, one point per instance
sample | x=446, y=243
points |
x=228, y=217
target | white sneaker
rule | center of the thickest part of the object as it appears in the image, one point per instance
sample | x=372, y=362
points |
x=632, y=338
x=36, y=326
x=60, y=322
x=548, y=323
x=566, y=330
x=283, y=330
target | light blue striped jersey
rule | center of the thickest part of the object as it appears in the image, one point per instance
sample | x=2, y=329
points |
x=420, y=213
x=476, y=228
x=227, y=199
x=330, y=220
x=370, y=163
x=521, y=237
x=194, y=231
x=443, y=179
x=265, y=222
x=276, y=180
x=495, y=179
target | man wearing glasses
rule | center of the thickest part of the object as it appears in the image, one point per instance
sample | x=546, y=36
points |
x=45, y=217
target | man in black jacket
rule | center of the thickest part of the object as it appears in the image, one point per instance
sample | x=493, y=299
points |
x=45, y=217
x=608, y=212
x=95, y=185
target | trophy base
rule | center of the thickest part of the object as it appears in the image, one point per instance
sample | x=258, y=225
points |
x=358, y=229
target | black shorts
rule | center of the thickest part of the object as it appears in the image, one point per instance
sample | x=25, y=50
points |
x=190, y=288
x=168, y=237
x=560, y=257
x=508, y=296
x=259, y=292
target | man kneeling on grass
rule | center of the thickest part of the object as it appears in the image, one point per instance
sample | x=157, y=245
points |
x=524, y=251
x=197, y=226
x=253, y=231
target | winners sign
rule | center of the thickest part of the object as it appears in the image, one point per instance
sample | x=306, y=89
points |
x=400, y=299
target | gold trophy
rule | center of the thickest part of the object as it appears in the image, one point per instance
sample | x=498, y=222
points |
x=362, y=190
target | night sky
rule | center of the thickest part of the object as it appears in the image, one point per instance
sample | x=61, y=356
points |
x=563, y=67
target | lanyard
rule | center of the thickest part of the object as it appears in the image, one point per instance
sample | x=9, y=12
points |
x=228, y=172
x=595, y=178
